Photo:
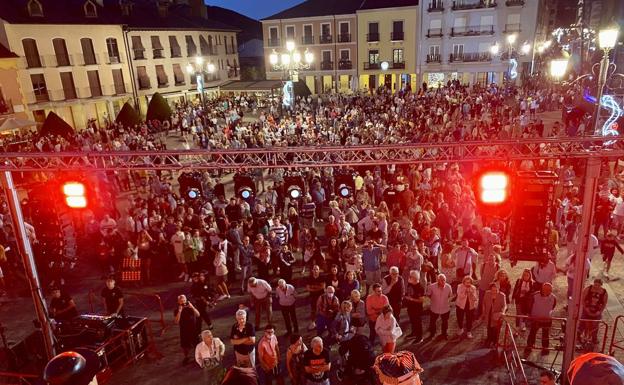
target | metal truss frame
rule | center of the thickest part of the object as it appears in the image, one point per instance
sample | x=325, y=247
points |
x=302, y=157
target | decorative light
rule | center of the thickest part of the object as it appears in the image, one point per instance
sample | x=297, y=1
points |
x=607, y=38
x=526, y=48
x=512, y=38
x=285, y=59
x=494, y=49
x=273, y=58
x=385, y=65
x=211, y=68
x=199, y=60
x=296, y=57
x=309, y=57
x=558, y=67
x=290, y=45
x=541, y=49
x=547, y=43
x=189, y=68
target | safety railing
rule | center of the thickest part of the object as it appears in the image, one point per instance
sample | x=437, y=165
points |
x=149, y=303
x=513, y=361
x=15, y=378
x=616, y=347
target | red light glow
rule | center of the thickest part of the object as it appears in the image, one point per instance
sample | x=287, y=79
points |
x=494, y=187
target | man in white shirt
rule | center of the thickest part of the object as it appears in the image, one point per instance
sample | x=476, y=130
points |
x=260, y=293
x=209, y=354
x=440, y=294
x=286, y=297
x=464, y=256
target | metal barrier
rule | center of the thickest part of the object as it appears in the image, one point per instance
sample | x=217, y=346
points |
x=14, y=378
x=142, y=299
x=517, y=376
x=616, y=347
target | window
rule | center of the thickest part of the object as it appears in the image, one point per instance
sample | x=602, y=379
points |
x=94, y=83
x=345, y=54
x=144, y=82
x=178, y=75
x=487, y=20
x=39, y=87
x=326, y=56
x=137, y=48
x=373, y=31
x=161, y=76
x=157, y=48
x=397, y=30
x=211, y=47
x=308, y=37
x=87, y=51
x=176, y=51
x=35, y=9
x=113, y=50
x=203, y=46
x=191, y=48
x=435, y=23
x=90, y=9
x=290, y=32
x=33, y=60
x=326, y=36
x=373, y=56
x=233, y=44
x=273, y=37
x=69, y=89
x=459, y=22
x=344, y=36
x=60, y=51
x=118, y=81
x=458, y=50
x=397, y=55
x=434, y=50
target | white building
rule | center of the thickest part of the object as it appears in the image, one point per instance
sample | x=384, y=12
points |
x=457, y=37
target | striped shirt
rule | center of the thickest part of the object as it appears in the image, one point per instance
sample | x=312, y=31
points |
x=281, y=232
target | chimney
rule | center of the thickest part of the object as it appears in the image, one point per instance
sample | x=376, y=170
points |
x=198, y=7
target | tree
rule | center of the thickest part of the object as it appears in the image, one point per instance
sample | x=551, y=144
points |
x=128, y=116
x=158, y=108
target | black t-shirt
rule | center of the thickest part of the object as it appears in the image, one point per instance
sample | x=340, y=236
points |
x=236, y=333
x=415, y=291
x=112, y=298
x=58, y=304
x=311, y=359
x=316, y=281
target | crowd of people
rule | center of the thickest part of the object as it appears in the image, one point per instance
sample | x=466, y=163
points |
x=405, y=237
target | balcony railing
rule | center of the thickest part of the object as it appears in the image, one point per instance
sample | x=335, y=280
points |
x=473, y=30
x=116, y=59
x=325, y=39
x=117, y=89
x=33, y=61
x=397, y=36
x=512, y=28
x=372, y=36
x=273, y=42
x=345, y=65
x=344, y=38
x=40, y=96
x=398, y=65
x=436, y=58
x=371, y=66
x=434, y=32
x=327, y=65
x=307, y=39
x=87, y=60
x=465, y=4
x=59, y=61
x=471, y=57
x=436, y=7
x=514, y=3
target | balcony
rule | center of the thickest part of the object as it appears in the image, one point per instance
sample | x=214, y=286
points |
x=434, y=32
x=345, y=65
x=325, y=39
x=372, y=37
x=398, y=65
x=435, y=58
x=397, y=36
x=33, y=61
x=514, y=3
x=40, y=96
x=436, y=7
x=463, y=5
x=371, y=66
x=327, y=66
x=307, y=39
x=158, y=54
x=117, y=89
x=87, y=60
x=344, y=38
x=471, y=57
x=59, y=61
x=273, y=42
x=116, y=59
x=476, y=30
x=512, y=28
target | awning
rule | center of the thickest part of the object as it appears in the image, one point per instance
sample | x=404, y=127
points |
x=156, y=43
x=242, y=86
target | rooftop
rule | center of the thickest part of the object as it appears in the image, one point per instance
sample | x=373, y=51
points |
x=311, y=8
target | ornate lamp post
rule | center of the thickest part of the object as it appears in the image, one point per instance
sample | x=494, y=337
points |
x=511, y=54
x=607, y=38
x=198, y=69
x=290, y=61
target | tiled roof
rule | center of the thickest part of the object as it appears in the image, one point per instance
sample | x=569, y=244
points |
x=376, y=4
x=312, y=8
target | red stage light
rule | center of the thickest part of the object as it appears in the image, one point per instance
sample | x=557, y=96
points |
x=493, y=187
x=75, y=195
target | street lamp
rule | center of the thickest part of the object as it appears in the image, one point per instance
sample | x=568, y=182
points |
x=198, y=69
x=291, y=61
x=607, y=38
x=558, y=68
x=525, y=48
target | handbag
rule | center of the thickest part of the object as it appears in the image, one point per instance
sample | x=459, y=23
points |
x=396, y=331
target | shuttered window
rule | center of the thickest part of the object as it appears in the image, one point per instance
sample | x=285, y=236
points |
x=144, y=82
x=175, y=47
x=191, y=48
x=178, y=75
x=118, y=82
x=94, y=83
x=69, y=88
x=161, y=75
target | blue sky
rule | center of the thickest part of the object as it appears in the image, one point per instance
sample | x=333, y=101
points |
x=255, y=8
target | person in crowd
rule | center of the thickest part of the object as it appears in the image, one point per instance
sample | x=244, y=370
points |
x=186, y=316
x=202, y=296
x=543, y=272
x=113, y=298
x=333, y=278
x=246, y=255
x=316, y=287
x=542, y=306
x=262, y=255
x=243, y=338
x=388, y=329
x=358, y=311
x=414, y=300
x=522, y=295
x=393, y=287
x=287, y=260
x=546, y=377
x=341, y=328
x=221, y=271
x=62, y=306
x=294, y=360
x=327, y=307
x=594, y=299
x=371, y=257
x=348, y=284
x=209, y=356
x=501, y=278
x=269, y=356
x=465, y=258
x=494, y=307
x=488, y=272
x=465, y=306
x=260, y=294
x=375, y=303
x=607, y=248
x=440, y=294
x=317, y=363
x=286, y=298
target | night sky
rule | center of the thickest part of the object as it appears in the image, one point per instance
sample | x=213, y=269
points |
x=256, y=9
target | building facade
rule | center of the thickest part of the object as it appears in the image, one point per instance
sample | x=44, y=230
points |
x=84, y=59
x=388, y=45
x=11, y=98
x=457, y=36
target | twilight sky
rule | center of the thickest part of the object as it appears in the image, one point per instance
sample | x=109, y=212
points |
x=256, y=9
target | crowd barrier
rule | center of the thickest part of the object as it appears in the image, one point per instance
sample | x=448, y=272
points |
x=150, y=303
x=513, y=361
x=616, y=347
x=14, y=378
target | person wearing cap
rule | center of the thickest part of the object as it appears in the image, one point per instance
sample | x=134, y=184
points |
x=243, y=337
x=62, y=306
x=595, y=369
